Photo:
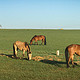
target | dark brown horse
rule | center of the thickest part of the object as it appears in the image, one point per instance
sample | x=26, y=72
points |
x=23, y=46
x=71, y=50
x=38, y=38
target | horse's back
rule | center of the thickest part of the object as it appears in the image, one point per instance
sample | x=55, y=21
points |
x=74, y=48
x=20, y=45
x=41, y=36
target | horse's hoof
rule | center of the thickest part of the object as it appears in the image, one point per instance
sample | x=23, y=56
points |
x=17, y=57
x=68, y=66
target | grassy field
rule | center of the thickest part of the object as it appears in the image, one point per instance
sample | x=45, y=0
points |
x=22, y=69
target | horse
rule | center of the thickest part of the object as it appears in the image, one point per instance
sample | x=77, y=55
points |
x=23, y=46
x=71, y=50
x=38, y=38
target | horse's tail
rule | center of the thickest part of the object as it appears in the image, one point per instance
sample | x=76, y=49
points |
x=66, y=55
x=14, y=51
x=45, y=41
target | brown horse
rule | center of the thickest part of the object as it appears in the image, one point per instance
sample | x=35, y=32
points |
x=71, y=50
x=38, y=38
x=23, y=46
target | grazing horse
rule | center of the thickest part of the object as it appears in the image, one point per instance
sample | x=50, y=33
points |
x=38, y=38
x=71, y=50
x=23, y=46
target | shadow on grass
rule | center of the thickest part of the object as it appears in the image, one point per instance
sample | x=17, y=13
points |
x=11, y=56
x=56, y=63
x=53, y=53
x=52, y=62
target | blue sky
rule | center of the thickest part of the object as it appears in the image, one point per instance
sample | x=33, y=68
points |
x=40, y=14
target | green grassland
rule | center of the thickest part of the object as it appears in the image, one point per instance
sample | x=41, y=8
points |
x=22, y=69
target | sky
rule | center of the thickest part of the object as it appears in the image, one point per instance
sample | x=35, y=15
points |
x=40, y=14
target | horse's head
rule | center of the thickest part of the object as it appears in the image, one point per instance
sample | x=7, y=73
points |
x=29, y=55
x=30, y=42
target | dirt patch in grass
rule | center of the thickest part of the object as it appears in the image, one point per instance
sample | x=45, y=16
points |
x=49, y=57
x=36, y=58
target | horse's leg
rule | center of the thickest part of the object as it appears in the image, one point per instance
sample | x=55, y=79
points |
x=23, y=52
x=16, y=52
x=68, y=61
x=72, y=61
x=42, y=41
x=70, y=58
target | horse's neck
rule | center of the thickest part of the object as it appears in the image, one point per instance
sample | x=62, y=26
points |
x=32, y=39
x=28, y=49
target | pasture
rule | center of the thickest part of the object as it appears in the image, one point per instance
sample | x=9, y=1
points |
x=51, y=67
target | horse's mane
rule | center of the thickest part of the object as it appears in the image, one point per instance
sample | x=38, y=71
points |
x=26, y=44
x=33, y=37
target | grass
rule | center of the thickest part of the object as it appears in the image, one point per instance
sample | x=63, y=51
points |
x=22, y=69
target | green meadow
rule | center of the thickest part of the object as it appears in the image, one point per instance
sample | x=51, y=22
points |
x=46, y=69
